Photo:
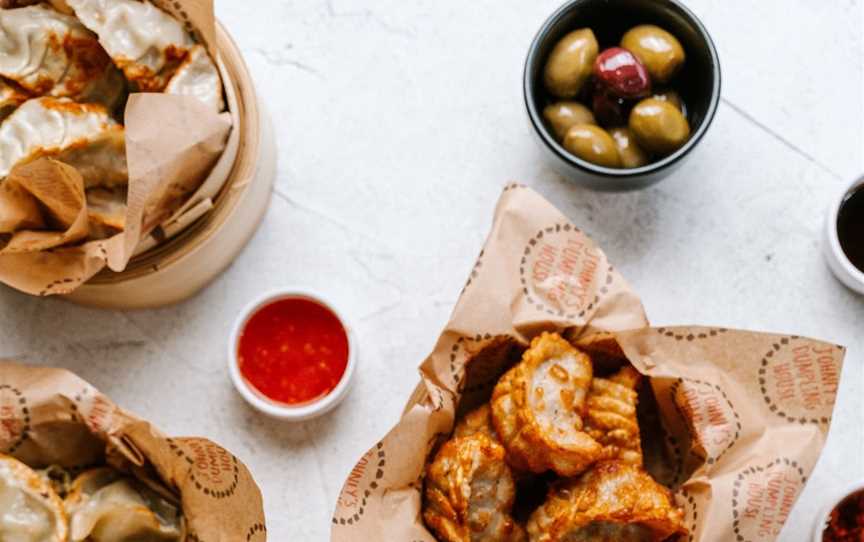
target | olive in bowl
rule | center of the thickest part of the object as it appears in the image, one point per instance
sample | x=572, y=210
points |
x=650, y=53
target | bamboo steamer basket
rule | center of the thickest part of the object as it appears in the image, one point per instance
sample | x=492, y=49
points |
x=183, y=265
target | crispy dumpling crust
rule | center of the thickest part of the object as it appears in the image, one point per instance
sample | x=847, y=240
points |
x=538, y=409
x=614, y=501
x=611, y=418
x=470, y=492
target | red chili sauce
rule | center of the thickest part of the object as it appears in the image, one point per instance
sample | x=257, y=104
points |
x=293, y=351
x=846, y=522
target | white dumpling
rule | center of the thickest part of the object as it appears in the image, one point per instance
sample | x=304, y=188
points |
x=82, y=135
x=104, y=506
x=145, y=42
x=30, y=510
x=48, y=53
x=198, y=77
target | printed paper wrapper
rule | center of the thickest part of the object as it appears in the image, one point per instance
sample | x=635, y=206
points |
x=744, y=415
x=52, y=417
x=172, y=142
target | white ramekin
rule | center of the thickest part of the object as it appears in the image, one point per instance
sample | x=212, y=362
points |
x=266, y=405
x=836, y=498
x=839, y=264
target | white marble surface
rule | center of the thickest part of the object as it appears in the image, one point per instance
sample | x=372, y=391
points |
x=398, y=124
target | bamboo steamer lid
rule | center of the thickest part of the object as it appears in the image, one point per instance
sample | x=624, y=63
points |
x=181, y=266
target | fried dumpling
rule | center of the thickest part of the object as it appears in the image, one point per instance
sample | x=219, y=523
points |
x=470, y=492
x=30, y=510
x=146, y=43
x=47, y=53
x=10, y=99
x=81, y=135
x=538, y=409
x=199, y=78
x=611, y=418
x=612, y=502
x=105, y=506
x=478, y=420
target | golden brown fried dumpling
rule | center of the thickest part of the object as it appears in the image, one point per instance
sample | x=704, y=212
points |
x=614, y=501
x=538, y=408
x=30, y=510
x=478, y=420
x=611, y=419
x=470, y=492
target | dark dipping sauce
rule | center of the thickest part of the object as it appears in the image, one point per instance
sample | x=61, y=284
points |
x=850, y=227
x=293, y=351
x=846, y=522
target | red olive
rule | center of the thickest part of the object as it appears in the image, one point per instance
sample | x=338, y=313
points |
x=622, y=73
x=610, y=110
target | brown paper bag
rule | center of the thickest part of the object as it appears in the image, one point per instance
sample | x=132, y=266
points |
x=52, y=417
x=744, y=415
x=172, y=142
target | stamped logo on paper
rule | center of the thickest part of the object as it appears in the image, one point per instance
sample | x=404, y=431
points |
x=95, y=410
x=799, y=378
x=365, y=477
x=762, y=498
x=213, y=470
x=709, y=414
x=475, y=271
x=562, y=273
x=256, y=533
x=691, y=512
x=14, y=418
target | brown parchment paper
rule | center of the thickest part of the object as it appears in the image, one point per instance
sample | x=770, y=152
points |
x=52, y=417
x=743, y=415
x=172, y=142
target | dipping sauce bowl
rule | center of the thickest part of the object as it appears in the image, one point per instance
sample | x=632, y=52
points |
x=842, y=520
x=291, y=354
x=844, y=225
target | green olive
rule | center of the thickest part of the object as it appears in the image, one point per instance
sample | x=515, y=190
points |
x=571, y=62
x=631, y=154
x=673, y=98
x=660, y=51
x=593, y=144
x=562, y=115
x=659, y=126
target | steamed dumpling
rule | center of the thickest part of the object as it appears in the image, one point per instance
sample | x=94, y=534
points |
x=48, y=53
x=198, y=77
x=144, y=41
x=30, y=510
x=105, y=506
x=82, y=135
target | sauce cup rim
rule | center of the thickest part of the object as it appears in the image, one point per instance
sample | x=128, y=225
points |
x=838, y=261
x=272, y=408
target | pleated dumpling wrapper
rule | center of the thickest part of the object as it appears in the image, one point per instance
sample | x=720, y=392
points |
x=538, y=409
x=612, y=501
x=470, y=492
x=105, y=506
x=81, y=135
x=198, y=77
x=30, y=510
x=152, y=48
x=48, y=53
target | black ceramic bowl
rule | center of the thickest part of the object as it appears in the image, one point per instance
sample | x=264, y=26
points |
x=698, y=83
